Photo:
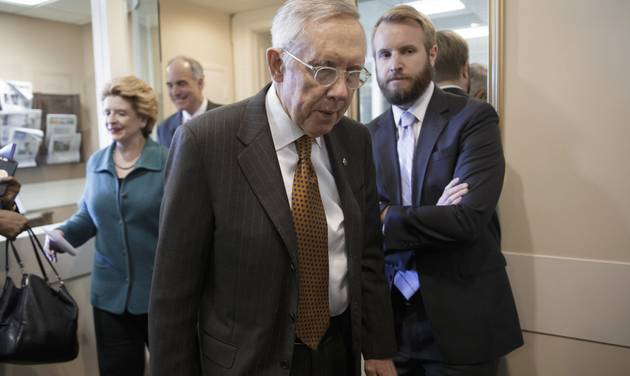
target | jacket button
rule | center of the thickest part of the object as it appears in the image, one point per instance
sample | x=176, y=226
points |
x=292, y=316
x=284, y=364
x=292, y=267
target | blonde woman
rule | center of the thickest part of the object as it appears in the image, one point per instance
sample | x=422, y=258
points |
x=120, y=207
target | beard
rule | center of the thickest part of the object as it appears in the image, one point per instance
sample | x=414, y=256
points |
x=419, y=84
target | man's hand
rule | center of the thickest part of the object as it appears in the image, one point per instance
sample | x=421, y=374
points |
x=11, y=223
x=453, y=193
x=13, y=188
x=379, y=367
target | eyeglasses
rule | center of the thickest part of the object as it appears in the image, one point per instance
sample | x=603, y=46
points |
x=327, y=76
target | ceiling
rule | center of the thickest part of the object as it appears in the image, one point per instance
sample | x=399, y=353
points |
x=78, y=11
x=235, y=6
x=68, y=11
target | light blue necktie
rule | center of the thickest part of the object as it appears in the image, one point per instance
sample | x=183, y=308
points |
x=406, y=281
x=406, y=146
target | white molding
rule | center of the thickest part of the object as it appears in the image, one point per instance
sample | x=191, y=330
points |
x=51, y=194
x=495, y=7
x=112, y=51
x=572, y=297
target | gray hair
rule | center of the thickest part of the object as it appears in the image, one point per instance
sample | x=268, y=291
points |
x=195, y=67
x=478, y=80
x=289, y=22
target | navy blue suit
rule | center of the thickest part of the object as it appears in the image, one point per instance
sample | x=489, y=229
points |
x=166, y=129
x=464, y=289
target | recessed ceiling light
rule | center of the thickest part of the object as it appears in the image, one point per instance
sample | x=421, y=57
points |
x=26, y=3
x=429, y=7
x=473, y=32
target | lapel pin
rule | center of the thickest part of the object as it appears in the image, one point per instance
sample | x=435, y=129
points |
x=344, y=161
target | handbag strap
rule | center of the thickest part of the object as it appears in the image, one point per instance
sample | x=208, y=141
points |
x=31, y=235
x=15, y=254
x=37, y=246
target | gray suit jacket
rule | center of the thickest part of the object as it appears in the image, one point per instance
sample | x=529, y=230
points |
x=224, y=293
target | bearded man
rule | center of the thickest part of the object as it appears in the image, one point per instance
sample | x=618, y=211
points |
x=439, y=166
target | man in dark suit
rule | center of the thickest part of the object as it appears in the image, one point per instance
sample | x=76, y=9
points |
x=269, y=260
x=185, y=82
x=453, y=306
x=451, y=64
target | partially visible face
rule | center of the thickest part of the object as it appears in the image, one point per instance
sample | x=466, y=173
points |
x=335, y=42
x=403, y=65
x=122, y=122
x=185, y=91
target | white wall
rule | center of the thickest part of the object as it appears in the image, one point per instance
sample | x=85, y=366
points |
x=565, y=209
x=57, y=58
x=204, y=35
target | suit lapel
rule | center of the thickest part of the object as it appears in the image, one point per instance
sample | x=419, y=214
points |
x=386, y=158
x=432, y=126
x=259, y=164
x=337, y=155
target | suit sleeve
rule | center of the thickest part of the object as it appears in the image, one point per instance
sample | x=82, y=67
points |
x=479, y=163
x=378, y=340
x=184, y=247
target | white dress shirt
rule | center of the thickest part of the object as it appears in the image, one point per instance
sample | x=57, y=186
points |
x=202, y=108
x=284, y=133
x=418, y=108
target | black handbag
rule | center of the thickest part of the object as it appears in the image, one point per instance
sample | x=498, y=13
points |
x=38, y=321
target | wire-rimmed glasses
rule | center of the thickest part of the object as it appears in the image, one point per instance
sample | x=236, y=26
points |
x=327, y=76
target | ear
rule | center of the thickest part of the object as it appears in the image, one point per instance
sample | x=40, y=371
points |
x=433, y=54
x=201, y=82
x=276, y=64
x=465, y=72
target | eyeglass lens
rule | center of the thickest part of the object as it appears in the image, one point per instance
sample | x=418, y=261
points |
x=328, y=75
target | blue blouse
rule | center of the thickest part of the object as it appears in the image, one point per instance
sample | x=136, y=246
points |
x=124, y=217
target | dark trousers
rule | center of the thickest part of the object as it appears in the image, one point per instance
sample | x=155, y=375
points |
x=120, y=342
x=418, y=353
x=333, y=356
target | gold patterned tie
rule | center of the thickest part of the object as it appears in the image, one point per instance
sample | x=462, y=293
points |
x=309, y=220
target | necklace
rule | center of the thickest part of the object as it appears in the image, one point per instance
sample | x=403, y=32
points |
x=125, y=168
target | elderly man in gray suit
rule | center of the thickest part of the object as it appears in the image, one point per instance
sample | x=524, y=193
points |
x=269, y=259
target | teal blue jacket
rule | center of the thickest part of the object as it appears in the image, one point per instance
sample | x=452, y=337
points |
x=124, y=218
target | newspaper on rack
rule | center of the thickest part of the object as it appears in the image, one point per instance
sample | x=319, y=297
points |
x=18, y=119
x=62, y=140
x=15, y=95
x=64, y=148
x=60, y=124
x=27, y=142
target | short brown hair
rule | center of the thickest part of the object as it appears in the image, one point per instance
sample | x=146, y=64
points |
x=452, y=55
x=139, y=94
x=402, y=13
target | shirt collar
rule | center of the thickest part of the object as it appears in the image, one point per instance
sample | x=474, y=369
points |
x=284, y=131
x=419, y=107
x=150, y=158
x=451, y=86
x=202, y=108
